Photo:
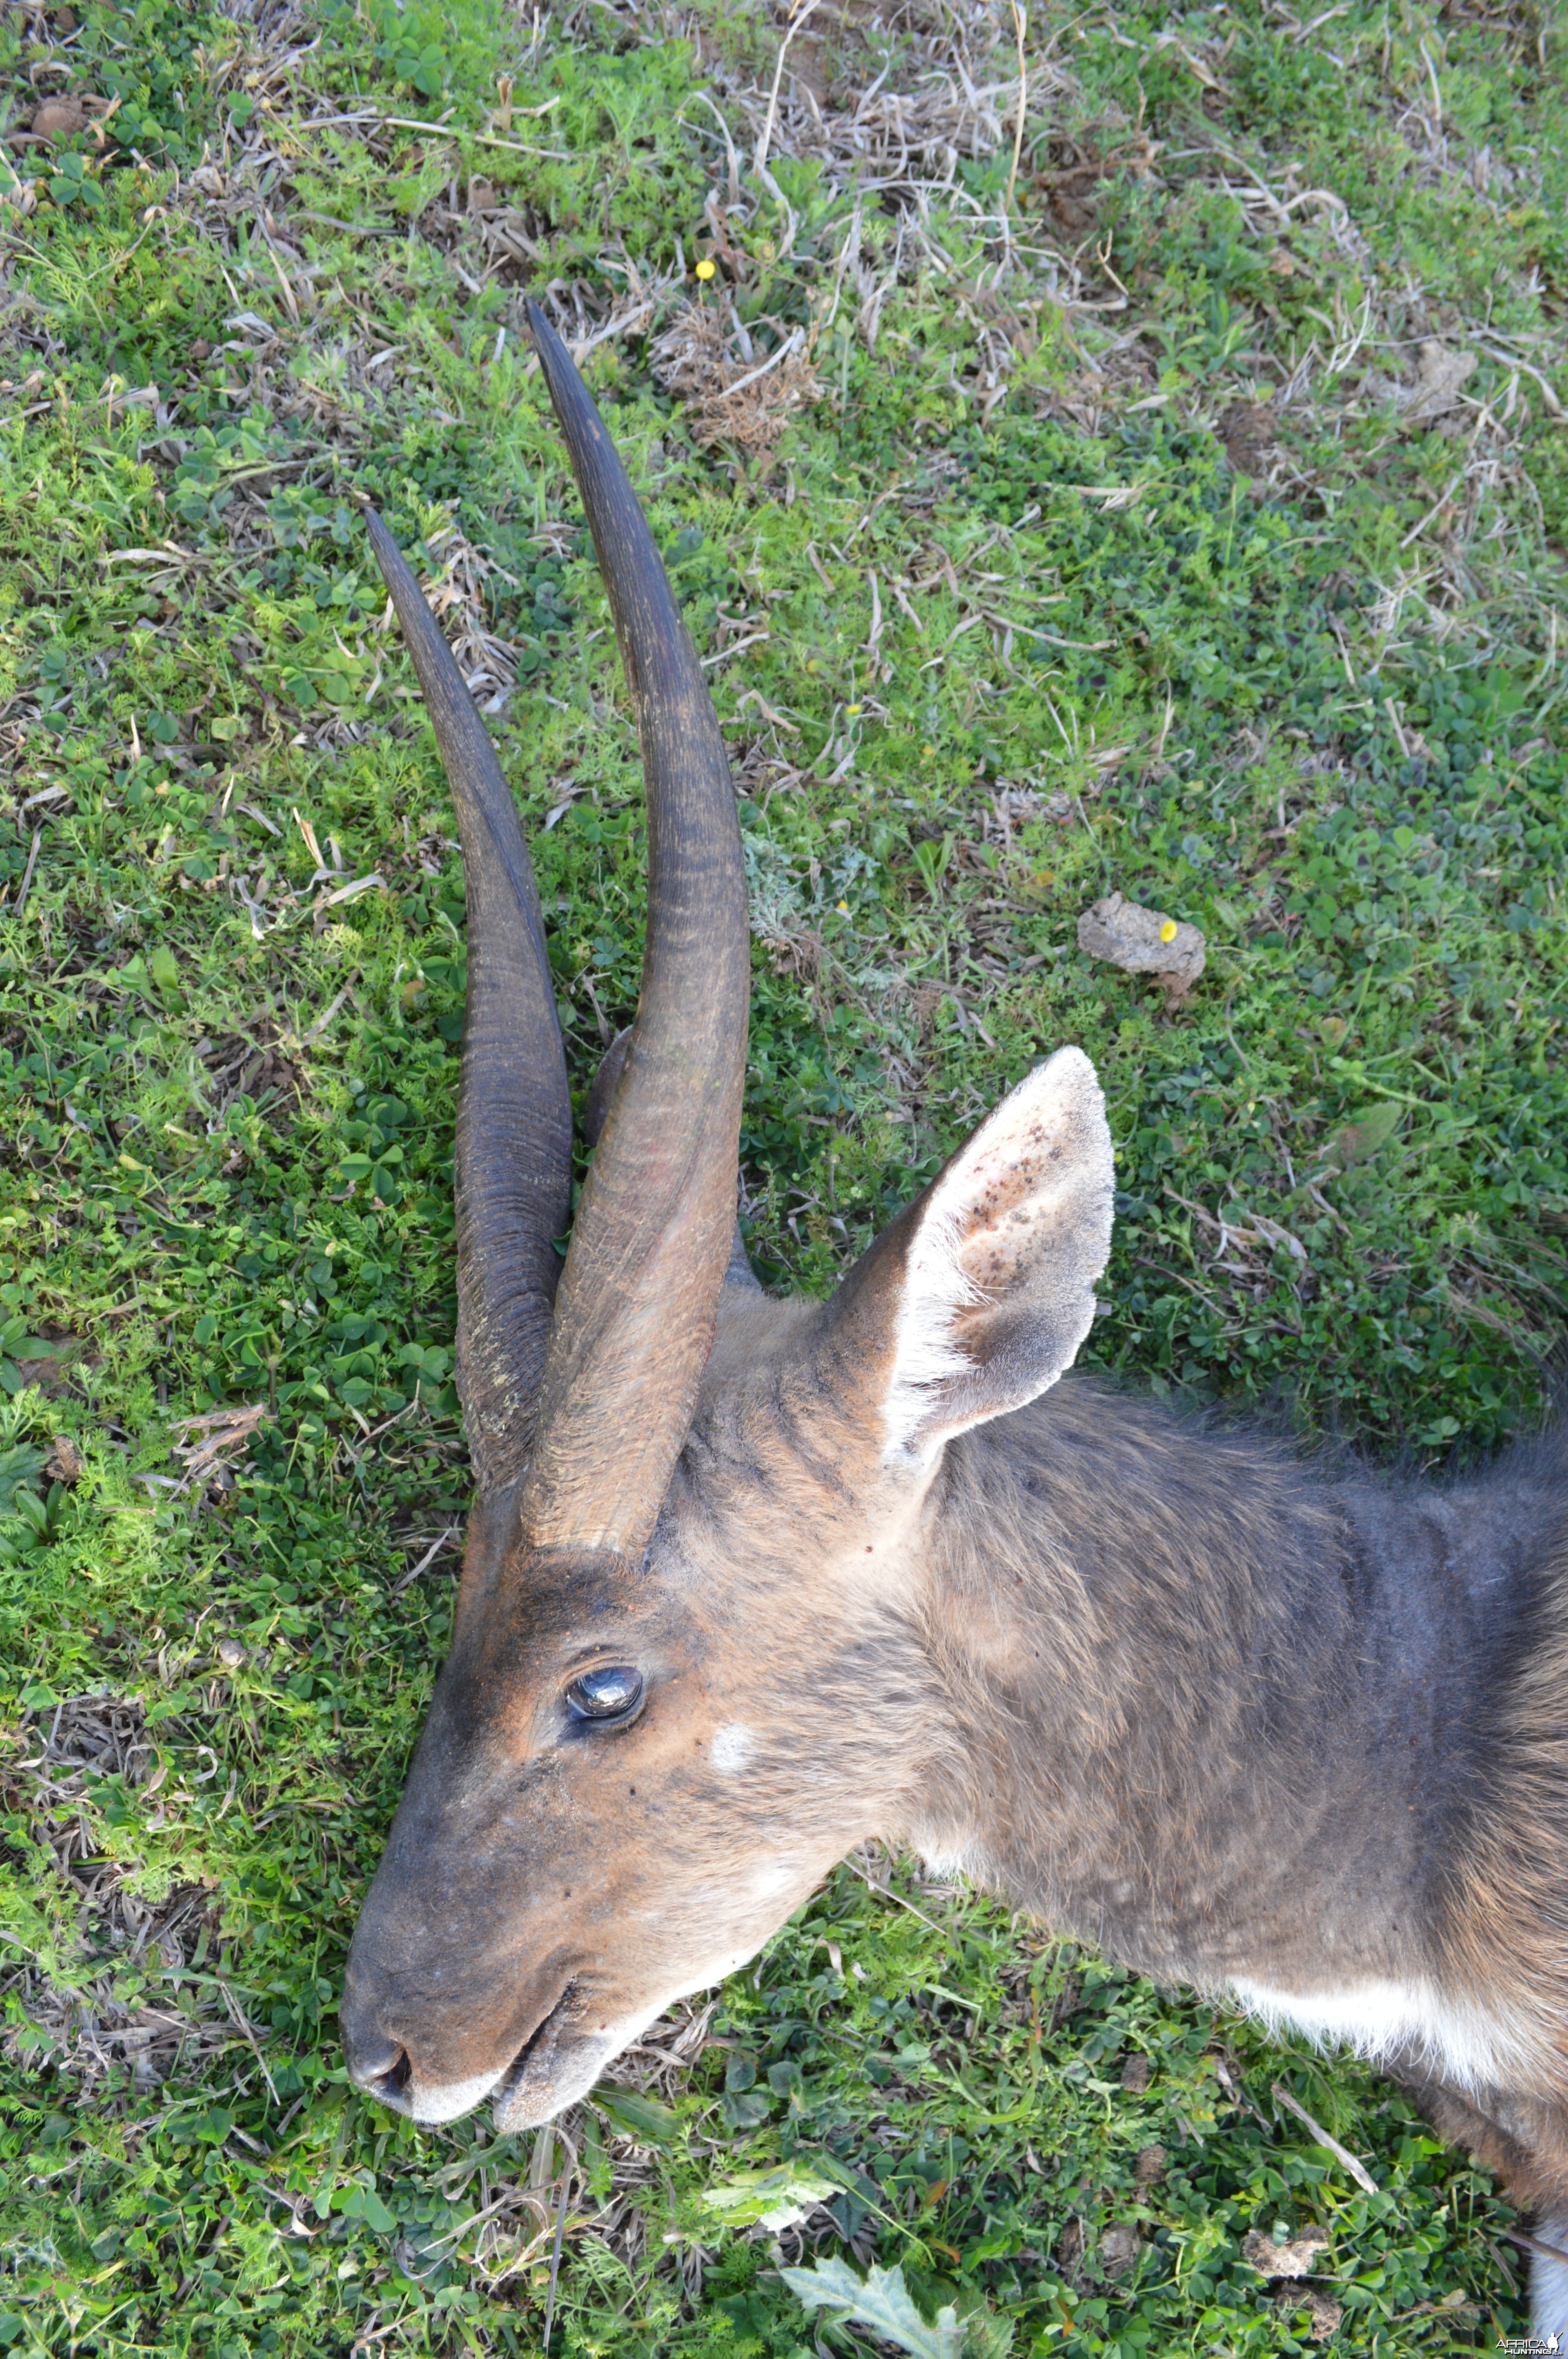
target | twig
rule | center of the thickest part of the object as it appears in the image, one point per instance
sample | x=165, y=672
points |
x=350, y=229
x=791, y=345
x=734, y=161
x=555, y=2259
x=1436, y=93
x=431, y=1553
x=1534, y=2244
x=760, y=154
x=1324, y=1206
x=1547, y=395
x=1427, y=518
x=1238, y=2094
x=322, y=1021
x=232, y=2003
x=1508, y=2278
x=1020, y=27
x=485, y=138
x=721, y=655
x=886, y=1892
x=28, y=872
x=1358, y=2171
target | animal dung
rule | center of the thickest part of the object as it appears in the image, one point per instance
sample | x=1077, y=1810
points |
x=1144, y=941
x=1119, y=2246
x=1436, y=392
x=1297, y=2257
x=58, y=119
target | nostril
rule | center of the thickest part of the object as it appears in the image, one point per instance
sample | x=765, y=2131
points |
x=395, y=2078
x=381, y=2067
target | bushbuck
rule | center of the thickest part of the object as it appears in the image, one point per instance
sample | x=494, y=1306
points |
x=747, y=1582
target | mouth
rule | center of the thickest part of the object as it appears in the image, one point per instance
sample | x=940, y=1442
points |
x=557, y=2064
x=533, y=2061
x=390, y=2077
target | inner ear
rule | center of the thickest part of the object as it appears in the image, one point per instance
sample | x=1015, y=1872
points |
x=998, y=1276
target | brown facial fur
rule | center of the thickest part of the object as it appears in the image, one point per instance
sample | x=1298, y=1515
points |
x=627, y=1867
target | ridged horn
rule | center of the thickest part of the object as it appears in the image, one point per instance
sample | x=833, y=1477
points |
x=514, y=1116
x=638, y=1297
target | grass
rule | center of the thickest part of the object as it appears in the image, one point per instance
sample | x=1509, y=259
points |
x=1129, y=520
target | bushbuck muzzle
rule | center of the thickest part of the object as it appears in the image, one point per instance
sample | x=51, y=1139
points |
x=747, y=1582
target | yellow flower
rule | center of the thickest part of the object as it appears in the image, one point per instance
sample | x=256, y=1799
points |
x=1168, y=930
x=851, y=709
x=842, y=907
x=705, y=270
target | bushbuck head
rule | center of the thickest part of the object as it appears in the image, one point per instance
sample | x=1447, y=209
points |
x=742, y=1586
x=691, y=1665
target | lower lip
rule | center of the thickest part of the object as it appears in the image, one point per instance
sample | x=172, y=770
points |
x=512, y=2079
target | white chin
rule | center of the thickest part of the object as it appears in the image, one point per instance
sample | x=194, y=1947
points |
x=448, y=2101
x=545, y=2086
x=559, y=2067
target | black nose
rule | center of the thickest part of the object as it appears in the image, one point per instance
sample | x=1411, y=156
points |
x=389, y=2085
x=383, y=2072
x=378, y=2064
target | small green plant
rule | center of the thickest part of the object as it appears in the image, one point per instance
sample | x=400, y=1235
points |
x=75, y=183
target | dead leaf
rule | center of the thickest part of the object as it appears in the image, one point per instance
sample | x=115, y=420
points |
x=1366, y=1132
x=795, y=951
x=1439, y=375
x=1069, y=193
x=1296, y=2258
x=209, y=1444
x=65, y=1462
x=1144, y=941
x=1150, y=2167
x=43, y=1362
x=1135, y=2073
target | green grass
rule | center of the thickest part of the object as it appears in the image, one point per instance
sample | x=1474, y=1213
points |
x=999, y=628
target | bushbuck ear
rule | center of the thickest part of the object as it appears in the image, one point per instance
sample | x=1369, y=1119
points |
x=1000, y=1260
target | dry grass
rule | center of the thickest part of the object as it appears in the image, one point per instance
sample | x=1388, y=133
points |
x=114, y=2052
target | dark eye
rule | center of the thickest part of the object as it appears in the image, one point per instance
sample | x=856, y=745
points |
x=612, y=1692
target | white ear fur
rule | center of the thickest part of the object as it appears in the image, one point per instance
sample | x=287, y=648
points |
x=999, y=1281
